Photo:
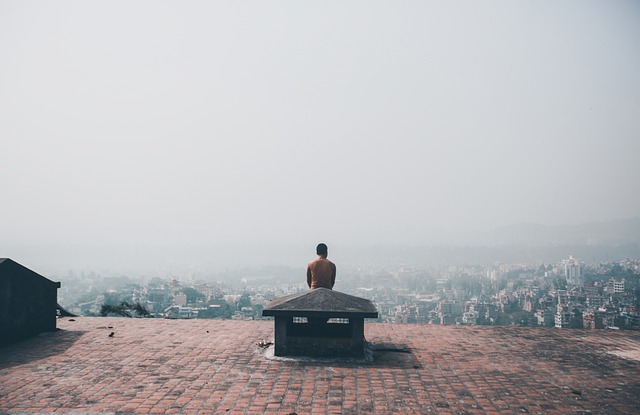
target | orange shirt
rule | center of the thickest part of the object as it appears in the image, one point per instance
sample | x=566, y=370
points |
x=321, y=273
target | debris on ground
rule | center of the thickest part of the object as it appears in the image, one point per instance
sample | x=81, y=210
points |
x=264, y=343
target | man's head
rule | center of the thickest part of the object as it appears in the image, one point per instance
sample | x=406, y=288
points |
x=322, y=250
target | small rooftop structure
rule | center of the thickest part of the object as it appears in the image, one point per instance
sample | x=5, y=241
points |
x=320, y=322
x=28, y=302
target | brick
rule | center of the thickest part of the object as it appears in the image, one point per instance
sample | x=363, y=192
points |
x=174, y=366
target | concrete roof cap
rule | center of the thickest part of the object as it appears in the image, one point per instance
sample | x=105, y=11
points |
x=321, y=302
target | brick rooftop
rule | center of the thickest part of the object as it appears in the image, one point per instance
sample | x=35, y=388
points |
x=215, y=366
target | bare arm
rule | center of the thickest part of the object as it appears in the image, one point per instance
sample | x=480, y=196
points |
x=333, y=276
x=309, y=277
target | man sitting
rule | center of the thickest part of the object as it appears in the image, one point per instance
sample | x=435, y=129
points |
x=321, y=273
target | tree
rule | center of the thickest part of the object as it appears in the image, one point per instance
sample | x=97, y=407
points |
x=224, y=311
x=257, y=308
x=124, y=309
x=524, y=318
x=577, y=321
x=560, y=283
x=244, y=301
x=111, y=298
x=193, y=295
x=156, y=282
x=503, y=319
x=616, y=271
x=141, y=310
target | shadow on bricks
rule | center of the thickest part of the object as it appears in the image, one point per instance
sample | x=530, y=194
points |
x=39, y=347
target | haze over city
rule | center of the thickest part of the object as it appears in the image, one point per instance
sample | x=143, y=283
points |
x=250, y=131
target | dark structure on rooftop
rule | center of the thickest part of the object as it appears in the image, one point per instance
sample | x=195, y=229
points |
x=320, y=322
x=28, y=302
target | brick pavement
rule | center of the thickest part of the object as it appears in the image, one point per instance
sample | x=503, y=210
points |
x=162, y=366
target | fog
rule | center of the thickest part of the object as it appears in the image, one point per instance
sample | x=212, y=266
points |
x=250, y=131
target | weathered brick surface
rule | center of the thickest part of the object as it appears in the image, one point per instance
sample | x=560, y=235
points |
x=214, y=366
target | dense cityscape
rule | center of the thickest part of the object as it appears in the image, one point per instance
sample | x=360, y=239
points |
x=566, y=294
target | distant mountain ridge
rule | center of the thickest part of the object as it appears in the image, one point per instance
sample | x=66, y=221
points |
x=615, y=232
x=525, y=242
x=591, y=242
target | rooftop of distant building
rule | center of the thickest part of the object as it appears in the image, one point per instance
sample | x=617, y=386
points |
x=119, y=365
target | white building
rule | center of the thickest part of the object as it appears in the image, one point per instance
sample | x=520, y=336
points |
x=563, y=317
x=177, y=311
x=615, y=287
x=572, y=270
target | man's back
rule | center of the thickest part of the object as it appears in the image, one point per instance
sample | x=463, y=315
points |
x=321, y=273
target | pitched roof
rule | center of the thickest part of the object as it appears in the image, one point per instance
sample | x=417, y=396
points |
x=321, y=302
x=9, y=267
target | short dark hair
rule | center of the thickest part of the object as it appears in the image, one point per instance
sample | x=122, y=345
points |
x=321, y=249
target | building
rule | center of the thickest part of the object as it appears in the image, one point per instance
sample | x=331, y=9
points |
x=593, y=319
x=563, y=317
x=448, y=311
x=320, y=322
x=181, y=312
x=594, y=301
x=615, y=287
x=572, y=270
x=180, y=299
x=545, y=317
x=27, y=302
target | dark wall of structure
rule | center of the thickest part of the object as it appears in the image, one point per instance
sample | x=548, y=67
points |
x=319, y=338
x=27, y=302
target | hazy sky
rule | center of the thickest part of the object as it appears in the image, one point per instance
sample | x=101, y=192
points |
x=167, y=122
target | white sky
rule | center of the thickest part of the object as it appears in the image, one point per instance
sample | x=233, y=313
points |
x=294, y=122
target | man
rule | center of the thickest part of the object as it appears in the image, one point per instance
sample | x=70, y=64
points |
x=321, y=273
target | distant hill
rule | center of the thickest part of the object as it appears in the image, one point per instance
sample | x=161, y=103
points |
x=591, y=242
x=617, y=232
